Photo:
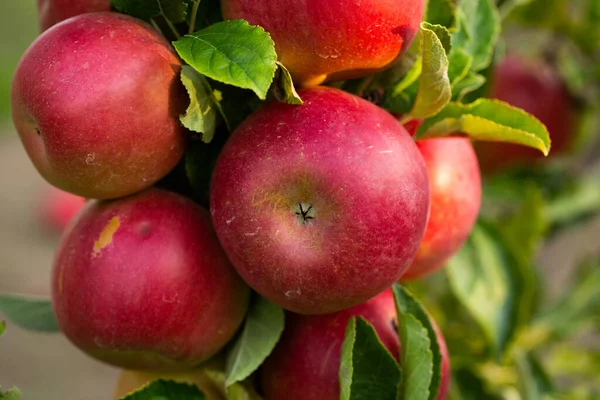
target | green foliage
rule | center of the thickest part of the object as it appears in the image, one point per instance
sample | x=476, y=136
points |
x=166, y=390
x=29, y=313
x=261, y=332
x=12, y=394
x=232, y=52
x=367, y=369
x=173, y=10
x=283, y=88
x=201, y=114
x=2, y=327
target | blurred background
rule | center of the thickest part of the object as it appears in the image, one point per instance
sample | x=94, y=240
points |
x=47, y=367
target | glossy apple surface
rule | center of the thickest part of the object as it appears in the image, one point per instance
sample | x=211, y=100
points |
x=320, y=206
x=455, y=201
x=321, y=40
x=51, y=12
x=142, y=283
x=96, y=101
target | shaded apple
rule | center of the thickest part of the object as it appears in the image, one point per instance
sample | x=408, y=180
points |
x=56, y=208
x=96, y=101
x=332, y=40
x=320, y=206
x=51, y=12
x=455, y=201
x=142, y=283
x=537, y=88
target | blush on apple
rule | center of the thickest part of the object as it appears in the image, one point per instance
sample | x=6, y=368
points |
x=320, y=206
x=321, y=40
x=96, y=101
x=142, y=283
x=51, y=12
x=455, y=201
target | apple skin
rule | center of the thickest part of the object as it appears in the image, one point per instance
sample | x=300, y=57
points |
x=357, y=172
x=137, y=281
x=57, y=208
x=96, y=101
x=332, y=40
x=51, y=12
x=455, y=201
x=305, y=363
x=538, y=89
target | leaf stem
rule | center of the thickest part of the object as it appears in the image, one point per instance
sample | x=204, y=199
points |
x=172, y=27
x=193, y=16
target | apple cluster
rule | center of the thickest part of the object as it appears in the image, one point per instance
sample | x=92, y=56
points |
x=319, y=207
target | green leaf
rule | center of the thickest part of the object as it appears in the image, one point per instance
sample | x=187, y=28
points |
x=478, y=31
x=173, y=10
x=441, y=12
x=466, y=85
x=201, y=114
x=467, y=385
x=534, y=383
x=232, y=52
x=12, y=394
x=29, y=313
x=166, y=390
x=283, y=87
x=2, y=327
x=262, y=330
x=485, y=276
x=490, y=120
x=421, y=357
x=367, y=369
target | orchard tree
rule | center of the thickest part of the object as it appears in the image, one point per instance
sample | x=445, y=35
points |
x=286, y=202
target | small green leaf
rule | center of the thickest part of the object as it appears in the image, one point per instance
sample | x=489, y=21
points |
x=534, y=383
x=283, y=87
x=421, y=357
x=262, y=330
x=173, y=10
x=2, y=327
x=12, y=394
x=441, y=12
x=490, y=120
x=485, y=276
x=232, y=52
x=166, y=390
x=466, y=85
x=29, y=313
x=367, y=369
x=201, y=114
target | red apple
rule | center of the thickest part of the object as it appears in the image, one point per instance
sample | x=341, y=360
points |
x=445, y=367
x=305, y=363
x=455, y=201
x=321, y=206
x=332, y=40
x=57, y=207
x=51, y=12
x=537, y=88
x=96, y=101
x=143, y=283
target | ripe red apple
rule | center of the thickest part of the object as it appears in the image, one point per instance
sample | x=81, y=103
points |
x=57, y=208
x=96, y=102
x=51, y=12
x=142, y=283
x=332, y=40
x=321, y=206
x=537, y=88
x=305, y=363
x=455, y=201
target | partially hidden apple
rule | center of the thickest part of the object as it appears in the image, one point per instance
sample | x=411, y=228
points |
x=320, y=206
x=332, y=40
x=51, y=12
x=56, y=208
x=305, y=363
x=455, y=201
x=142, y=283
x=96, y=101
x=537, y=88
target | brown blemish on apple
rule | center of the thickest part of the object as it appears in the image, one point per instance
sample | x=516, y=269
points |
x=106, y=236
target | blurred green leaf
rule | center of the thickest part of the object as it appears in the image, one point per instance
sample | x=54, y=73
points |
x=166, y=390
x=367, y=369
x=262, y=330
x=489, y=120
x=283, y=88
x=484, y=275
x=467, y=385
x=201, y=114
x=12, y=394
x=173, y=10
x=534, y=382
x=2, y=327
x=28, y=313
x=232, y=52
x=441, y=12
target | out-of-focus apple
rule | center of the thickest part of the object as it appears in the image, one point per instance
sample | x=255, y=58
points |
x=96, y=102
x=332, y=40
x=56, y=208
x=321, y=206
x=143, y=283
x=51, y=12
